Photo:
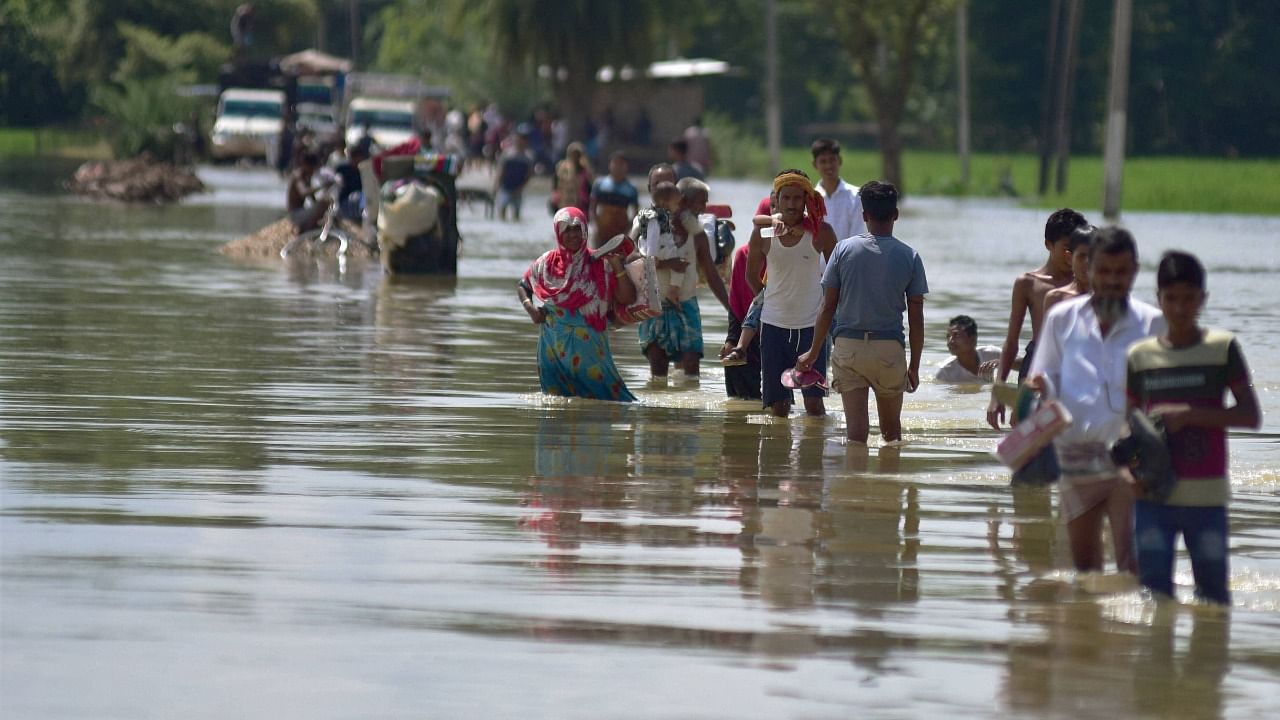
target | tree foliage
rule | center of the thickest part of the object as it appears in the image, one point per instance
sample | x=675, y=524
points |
x=147, y=54
x=1201, y=73
x=574, y=38
x=29, y=90
x=444, y=45
x=888, y=41
x=142, y=113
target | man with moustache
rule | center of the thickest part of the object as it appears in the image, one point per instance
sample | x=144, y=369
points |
x=1082, y=363
x=793, y=294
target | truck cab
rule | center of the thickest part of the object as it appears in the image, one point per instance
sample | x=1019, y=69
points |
x=388, y=122
x=248, y=123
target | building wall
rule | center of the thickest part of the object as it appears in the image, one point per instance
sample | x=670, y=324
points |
x=670, y=106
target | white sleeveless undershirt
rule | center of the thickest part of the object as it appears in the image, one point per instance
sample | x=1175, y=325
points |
x=793, y=294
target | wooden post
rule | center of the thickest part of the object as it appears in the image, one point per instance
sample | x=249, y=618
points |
x=1047, y=109
x=1117, y=103
x=1066, y=86
x=773, y=112
x=354, y=11
x=962, y=89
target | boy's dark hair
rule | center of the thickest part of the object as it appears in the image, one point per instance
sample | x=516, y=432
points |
x=1082, y=237
x=618, y=155
x=824, y=145
x=1179, y=267
x=879, y=199
x=966, y=324
x=1061, y=223
x=681, y=146
x=1113, y=240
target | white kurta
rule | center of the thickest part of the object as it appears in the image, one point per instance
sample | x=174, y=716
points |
x=1088, y=371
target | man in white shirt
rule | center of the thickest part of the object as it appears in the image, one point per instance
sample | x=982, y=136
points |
x=844, y=205
x=1082, y=362
x=969, y=363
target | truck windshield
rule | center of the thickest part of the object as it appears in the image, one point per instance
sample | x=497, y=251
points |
x=383, y=118
x=251, y=108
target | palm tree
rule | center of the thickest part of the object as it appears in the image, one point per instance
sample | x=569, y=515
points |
x=574, y=38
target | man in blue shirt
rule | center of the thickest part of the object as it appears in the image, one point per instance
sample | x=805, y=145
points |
x=871, y=279
x=614, y=201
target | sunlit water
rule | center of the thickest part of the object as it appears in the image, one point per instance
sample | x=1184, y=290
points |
x=264, y=491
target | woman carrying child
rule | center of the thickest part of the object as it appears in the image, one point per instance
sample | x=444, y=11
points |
x=575, y=290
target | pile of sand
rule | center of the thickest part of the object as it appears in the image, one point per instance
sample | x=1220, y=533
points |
x=270, y=240
x=141, y=179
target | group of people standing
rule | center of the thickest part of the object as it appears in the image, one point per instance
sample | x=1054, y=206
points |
x=823, y=280
x=821, y=263
x=1104, y=355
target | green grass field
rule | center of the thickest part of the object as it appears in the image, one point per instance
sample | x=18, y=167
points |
x=1180, y=184
x=29, y=142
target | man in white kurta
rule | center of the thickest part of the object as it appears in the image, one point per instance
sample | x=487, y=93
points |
x=1081, y=362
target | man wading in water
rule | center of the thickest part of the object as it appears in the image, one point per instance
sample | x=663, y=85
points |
x=794, y=293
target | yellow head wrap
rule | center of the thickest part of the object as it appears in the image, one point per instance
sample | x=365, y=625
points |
x=815, y=207
x=793, y=178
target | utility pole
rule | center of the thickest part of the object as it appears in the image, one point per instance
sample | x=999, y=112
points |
x=354, y=9
x=962, y=89
x=1047, y=114
x=1117, y=103
x=772, y=111
x=1066, y=86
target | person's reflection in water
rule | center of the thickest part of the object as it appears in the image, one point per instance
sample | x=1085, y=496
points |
x=665, y=465
x=415, y=329
x=1087, y=664
x=779, y=531
x=1189, y=686
x=571, y=458
x=1038, y=543
x=869, y=533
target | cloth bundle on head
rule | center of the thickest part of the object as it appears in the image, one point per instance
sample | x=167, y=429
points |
x=815, y=208
x=572, y=279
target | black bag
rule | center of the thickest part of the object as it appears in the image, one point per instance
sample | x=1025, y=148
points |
x=1146, y=453
x=723, y=242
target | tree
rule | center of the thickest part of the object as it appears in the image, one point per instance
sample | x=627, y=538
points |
x=574, y=38
x=415, y=37
x=29, y=90
x=888, y=40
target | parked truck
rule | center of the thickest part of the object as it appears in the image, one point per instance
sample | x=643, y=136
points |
x=389, y=107
x=248, y=123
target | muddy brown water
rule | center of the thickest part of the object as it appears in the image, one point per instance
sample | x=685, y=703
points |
x=268, y=490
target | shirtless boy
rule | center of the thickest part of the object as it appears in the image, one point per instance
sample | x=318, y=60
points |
x=1079, y=247
x=1029, y=292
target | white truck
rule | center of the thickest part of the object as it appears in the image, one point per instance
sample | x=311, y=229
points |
x=388, y=122
x=248, y=123
x=392, y=106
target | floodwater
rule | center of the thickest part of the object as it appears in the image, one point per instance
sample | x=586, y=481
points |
x=261, y=491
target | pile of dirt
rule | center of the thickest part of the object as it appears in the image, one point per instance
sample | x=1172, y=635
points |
x=141, y=179
x=270, y=240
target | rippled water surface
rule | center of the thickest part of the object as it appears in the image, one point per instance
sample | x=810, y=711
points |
x=269, y=491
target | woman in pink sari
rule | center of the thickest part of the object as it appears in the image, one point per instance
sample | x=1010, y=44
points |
x=568, y=292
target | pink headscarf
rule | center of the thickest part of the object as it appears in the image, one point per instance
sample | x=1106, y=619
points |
x=573, y=280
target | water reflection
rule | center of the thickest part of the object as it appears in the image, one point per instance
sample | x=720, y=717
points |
x=1087, y=664
x=871, y=537
x=240, y=464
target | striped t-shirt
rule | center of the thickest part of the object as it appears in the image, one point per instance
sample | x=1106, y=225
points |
x=1197, y=375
